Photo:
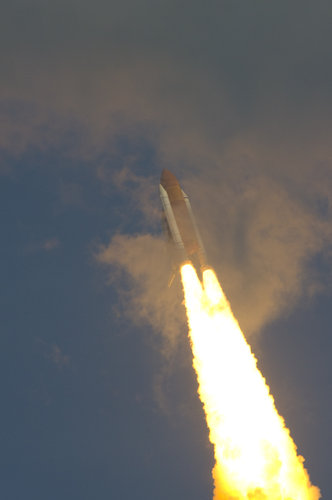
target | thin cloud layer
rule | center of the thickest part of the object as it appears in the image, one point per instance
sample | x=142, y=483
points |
x=234, y=97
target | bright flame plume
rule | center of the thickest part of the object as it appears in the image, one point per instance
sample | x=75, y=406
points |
x=255, y=457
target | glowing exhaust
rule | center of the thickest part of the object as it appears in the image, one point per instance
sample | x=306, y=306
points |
x=255, y=457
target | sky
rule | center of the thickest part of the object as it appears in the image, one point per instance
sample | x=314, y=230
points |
x=96, y=98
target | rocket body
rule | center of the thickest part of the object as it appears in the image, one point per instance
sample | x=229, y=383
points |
x=179, y=223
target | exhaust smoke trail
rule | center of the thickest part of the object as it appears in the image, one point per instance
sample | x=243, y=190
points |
x=255, y=457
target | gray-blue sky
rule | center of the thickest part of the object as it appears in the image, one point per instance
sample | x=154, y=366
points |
x=235, y=97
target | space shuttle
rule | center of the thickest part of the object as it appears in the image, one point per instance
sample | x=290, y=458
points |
x=180, y=226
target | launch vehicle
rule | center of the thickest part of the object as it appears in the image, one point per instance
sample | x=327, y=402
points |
x=179, y=224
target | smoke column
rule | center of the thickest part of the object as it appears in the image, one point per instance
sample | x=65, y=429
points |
x=255, y=457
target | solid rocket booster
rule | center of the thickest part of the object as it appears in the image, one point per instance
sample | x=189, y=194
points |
x=179, y=223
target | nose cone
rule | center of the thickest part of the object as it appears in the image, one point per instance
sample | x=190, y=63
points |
x=167, y=179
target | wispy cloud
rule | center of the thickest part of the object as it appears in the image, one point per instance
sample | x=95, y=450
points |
x=58, y=357
x=54, y=353
x=50, y=244
x=47, y=245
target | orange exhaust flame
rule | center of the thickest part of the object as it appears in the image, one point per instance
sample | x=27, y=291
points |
x=255, y=457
